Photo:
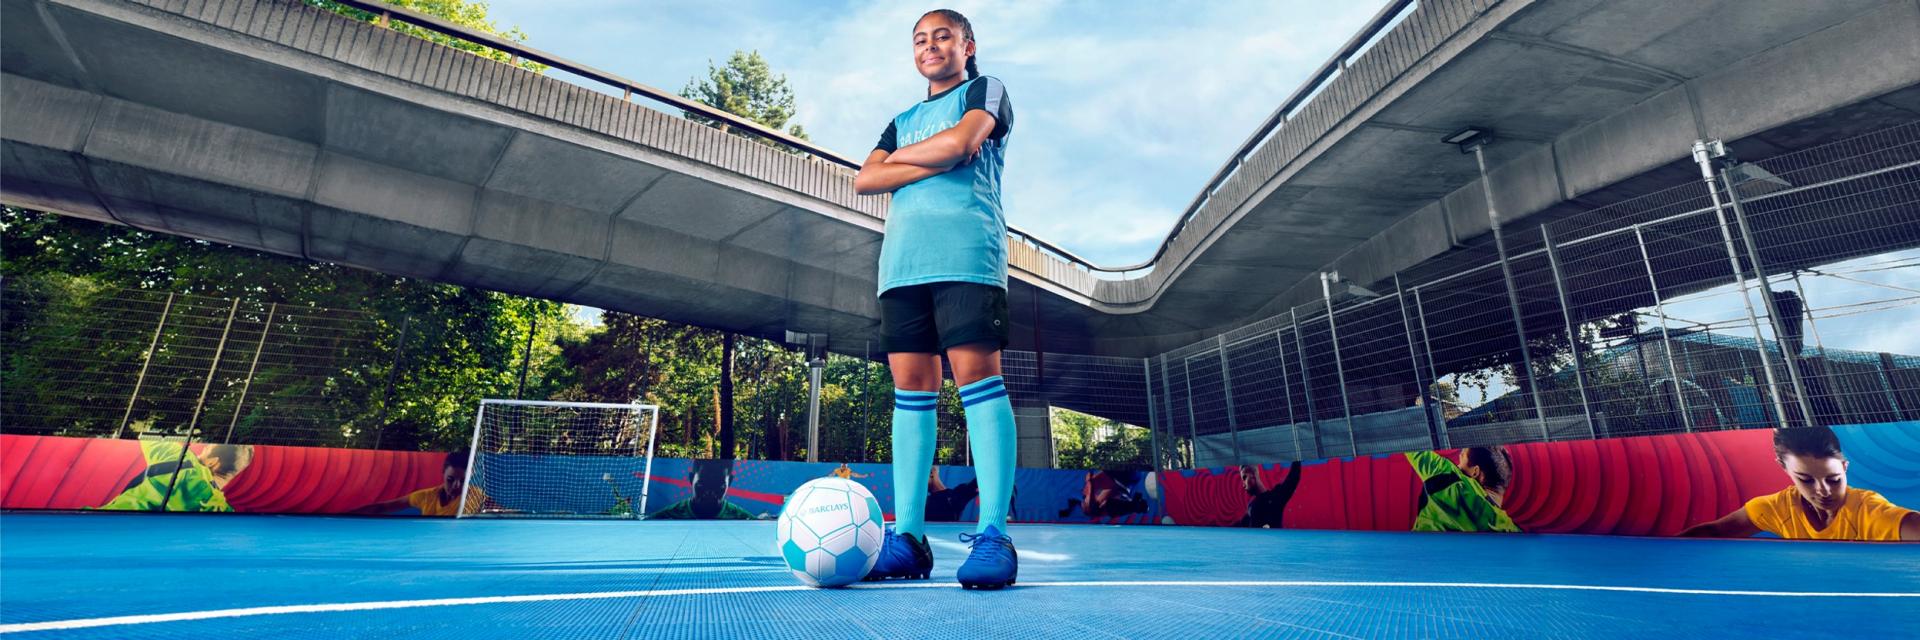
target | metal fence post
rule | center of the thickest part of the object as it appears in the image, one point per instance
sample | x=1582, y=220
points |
x=1666, y=341
x=137, y=382
x=1433, y=372
x=1513, y=292
x=251, y=368
x=198, y=405
x=1193, y=427
x=386, y=397
x=1166, y=405
x=1704, y=154
x=1766, y=297
x=1413, y=357
x=1573, y=332
x=1306, y=382
x=1153, y=419
x=1226, y=390
x=1339, y=366
x=866, y=397
x=533, y=327
x=1293, y=419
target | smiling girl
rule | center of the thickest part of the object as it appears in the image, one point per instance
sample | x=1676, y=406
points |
x=943, y=290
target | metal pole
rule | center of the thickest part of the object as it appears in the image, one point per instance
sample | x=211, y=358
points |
x=533, y=326
x=1703, y=155
x=866, y=397
x=386, y=398
x=1413, y=356
x=1433, y=373
x=1226, y=390
x=814, y=368
x=1166, y=405
x=1766, y=297
x=646, y=482
x=198, y=405
x=1193, y=428
x=1513, y=293
x=1306, y=384
x=1666, y=342
x=1153, y=421
x=1339, y=366
x=248, y=385
x=137, y=382
x=1293, y=419
x=1573, y=332
x=473, y=453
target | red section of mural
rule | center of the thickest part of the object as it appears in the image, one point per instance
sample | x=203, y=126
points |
x=1322, y=501
x=316, y=480
x=65, y=473
x=1649, y=486
x=1654, y=485
x=75, y=473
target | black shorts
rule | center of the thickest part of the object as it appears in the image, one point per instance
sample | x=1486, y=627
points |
x=934, y=317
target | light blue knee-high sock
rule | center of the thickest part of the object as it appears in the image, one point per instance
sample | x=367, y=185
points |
x=914, y=422
x=990, y=433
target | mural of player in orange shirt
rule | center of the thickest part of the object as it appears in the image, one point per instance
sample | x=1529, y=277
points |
x=438, y=501
x=1819, y=505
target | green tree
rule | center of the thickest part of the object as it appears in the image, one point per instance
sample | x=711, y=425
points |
x=1083, y=441
x=745, y=87
x=82, y=299
x=472, y=15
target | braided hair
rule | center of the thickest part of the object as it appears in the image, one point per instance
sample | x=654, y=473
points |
x=966, y=30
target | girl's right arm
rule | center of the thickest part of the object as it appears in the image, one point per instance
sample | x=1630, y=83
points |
x=879, y=176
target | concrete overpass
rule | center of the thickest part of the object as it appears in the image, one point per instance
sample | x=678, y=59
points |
x=276, y=126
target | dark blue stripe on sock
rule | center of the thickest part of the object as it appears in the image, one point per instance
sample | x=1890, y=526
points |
x=985, y=386
x=1001, y=393
x=914, y=405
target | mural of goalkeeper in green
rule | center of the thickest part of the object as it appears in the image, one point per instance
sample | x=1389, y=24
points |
x=177, y=479
x=709, y=502
x=1463, y=495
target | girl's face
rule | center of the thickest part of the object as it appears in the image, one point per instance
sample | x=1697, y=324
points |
x=940, y=48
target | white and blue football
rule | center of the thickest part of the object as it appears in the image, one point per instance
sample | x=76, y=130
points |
x=829, y=532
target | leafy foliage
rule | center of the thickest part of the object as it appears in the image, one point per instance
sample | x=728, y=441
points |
x=472, y=15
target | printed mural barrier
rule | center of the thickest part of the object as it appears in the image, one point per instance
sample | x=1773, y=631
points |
x=1845, y=483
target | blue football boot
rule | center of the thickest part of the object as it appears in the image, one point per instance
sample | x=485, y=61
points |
x=903, y=556
x=992, y=564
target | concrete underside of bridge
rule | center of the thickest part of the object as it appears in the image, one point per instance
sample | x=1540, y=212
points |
x=278, y=127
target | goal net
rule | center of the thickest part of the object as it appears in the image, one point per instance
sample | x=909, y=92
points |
x=560, y=460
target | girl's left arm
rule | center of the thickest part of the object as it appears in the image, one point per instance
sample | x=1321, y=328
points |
x=952, y=147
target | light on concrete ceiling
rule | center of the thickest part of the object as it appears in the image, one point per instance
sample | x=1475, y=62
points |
x=1469, y=139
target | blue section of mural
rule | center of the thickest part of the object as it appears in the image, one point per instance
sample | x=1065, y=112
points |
x=757, y=488
x=1884, y=457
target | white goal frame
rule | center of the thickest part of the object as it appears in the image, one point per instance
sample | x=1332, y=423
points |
x=479, y=421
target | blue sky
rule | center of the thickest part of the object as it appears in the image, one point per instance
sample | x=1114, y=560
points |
x=1123, y=110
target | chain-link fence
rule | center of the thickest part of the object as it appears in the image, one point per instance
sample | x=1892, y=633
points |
x=91, y=361
x=1780, y=292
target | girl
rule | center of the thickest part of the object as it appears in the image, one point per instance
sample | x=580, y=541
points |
x=943, y=289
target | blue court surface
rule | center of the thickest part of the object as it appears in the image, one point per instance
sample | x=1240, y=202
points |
x=291, y=577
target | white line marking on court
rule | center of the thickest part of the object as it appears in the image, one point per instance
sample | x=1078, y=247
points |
x=86, y=623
